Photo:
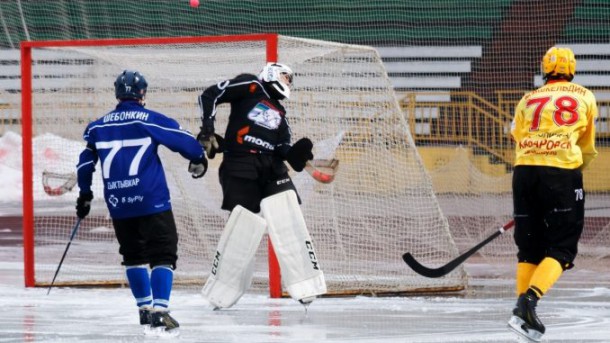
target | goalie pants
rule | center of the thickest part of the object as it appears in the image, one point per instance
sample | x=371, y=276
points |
x=246, y=179
x=549, y=210
x=150, y=239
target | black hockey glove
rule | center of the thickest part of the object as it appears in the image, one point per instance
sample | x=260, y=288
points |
x=299, y=154
x=198, y=168
x=212, y=145
x=83, y=204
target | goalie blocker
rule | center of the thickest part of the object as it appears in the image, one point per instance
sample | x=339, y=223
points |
x=233, y=264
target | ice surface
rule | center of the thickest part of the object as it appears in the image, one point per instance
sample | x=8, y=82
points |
x=572, y=312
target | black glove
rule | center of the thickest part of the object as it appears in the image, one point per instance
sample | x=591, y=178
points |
x=207, y=129
x=299, y=154
x=198, y=168
x=212, y=144
x=83, y=204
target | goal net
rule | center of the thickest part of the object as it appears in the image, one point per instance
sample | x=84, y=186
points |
x=381, y=204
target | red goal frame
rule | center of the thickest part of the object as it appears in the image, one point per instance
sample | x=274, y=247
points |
x=271, y=43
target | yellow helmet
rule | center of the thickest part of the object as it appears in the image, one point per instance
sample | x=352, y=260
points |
x=558, y=61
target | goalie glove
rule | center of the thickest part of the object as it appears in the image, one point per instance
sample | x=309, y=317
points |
x=212, y=144
x=198, y=168
x=83, y=204
x=299, y=153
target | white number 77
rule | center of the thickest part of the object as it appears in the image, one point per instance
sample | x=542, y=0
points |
x=115, y=146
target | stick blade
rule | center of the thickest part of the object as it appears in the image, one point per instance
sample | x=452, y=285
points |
x=55, y=184
x=326, y=166
x=450, y=266
x=423, y=270
x=322, y=170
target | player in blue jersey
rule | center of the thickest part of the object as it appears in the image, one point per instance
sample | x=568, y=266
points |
x=126, y=141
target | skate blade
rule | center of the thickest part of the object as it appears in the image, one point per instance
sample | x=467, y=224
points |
x=161, y=332
x=308, y=300
x=517, y=325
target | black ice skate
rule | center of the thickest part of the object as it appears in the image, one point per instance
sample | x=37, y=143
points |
x=162, y=324
x=524, y=321
x=145, y=316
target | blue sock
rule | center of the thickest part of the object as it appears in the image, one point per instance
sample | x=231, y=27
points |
x=161, y=279
x=139, y=282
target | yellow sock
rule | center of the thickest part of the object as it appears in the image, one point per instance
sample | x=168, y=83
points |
x=524, y=274
x=545, y=276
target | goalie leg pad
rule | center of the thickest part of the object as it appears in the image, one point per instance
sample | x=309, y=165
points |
x=301, y=273
x=233, y=263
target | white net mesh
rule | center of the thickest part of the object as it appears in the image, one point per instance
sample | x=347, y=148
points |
x=380, y=206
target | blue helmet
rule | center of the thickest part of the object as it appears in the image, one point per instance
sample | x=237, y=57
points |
x=130, y=85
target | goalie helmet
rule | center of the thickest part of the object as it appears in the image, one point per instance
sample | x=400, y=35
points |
x=130, y=85
x=558, y=61
x=278, y=78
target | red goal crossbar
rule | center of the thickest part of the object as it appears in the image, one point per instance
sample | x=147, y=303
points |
x=271, y=43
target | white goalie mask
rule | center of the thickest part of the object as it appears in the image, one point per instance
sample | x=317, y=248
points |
x=279, y=77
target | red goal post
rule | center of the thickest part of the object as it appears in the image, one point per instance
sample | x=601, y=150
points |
x=271, y=44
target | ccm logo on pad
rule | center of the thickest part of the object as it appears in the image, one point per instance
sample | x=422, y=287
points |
x=312, y=255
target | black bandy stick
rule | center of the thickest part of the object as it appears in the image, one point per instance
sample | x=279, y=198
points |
x=65, y=252
x=447, y=268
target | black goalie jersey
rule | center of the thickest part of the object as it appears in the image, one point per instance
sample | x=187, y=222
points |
x=257, y=122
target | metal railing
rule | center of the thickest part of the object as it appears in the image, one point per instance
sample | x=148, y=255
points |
x=468, y=119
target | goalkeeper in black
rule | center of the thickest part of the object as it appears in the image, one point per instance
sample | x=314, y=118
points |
x=254, y=178
x=257, y=138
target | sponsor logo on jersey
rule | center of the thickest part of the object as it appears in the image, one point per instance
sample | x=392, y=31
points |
x=113, y=200
x=266, y=116
x=259, y=142
x=241, y=133
x=548, y=144
x=133, y=199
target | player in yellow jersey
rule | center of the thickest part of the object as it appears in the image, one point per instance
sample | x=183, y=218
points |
x=554, y=134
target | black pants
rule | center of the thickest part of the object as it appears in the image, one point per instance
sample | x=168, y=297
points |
x=247, y=179
x=549, y=210
x=151, y=239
